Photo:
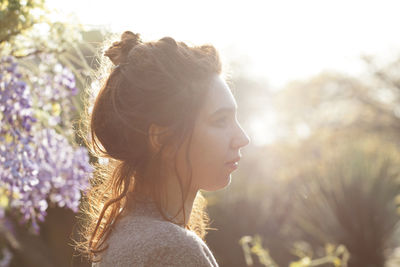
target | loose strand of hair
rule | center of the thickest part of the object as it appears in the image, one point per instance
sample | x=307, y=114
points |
x=114, y=211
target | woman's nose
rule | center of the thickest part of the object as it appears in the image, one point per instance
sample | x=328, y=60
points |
x=242, y=139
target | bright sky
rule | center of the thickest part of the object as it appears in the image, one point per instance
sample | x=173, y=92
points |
x=279, y=40
x=282, y=40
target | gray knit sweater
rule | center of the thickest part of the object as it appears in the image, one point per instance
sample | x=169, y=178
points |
x=143, y=237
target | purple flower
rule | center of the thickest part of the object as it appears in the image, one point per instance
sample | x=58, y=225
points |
x=38, y=166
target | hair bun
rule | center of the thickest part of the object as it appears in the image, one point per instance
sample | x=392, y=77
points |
x=169, y=40
x=119, y=50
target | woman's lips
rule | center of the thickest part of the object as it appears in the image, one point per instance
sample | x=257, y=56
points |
x=232, y=165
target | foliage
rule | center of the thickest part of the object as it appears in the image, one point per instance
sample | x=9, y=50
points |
x=17, y=16
x=348, y=197
x=338, y=256
x=253, y=245
x=343, y=191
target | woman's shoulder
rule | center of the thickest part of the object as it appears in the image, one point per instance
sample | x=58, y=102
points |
x=153, y=231
x=151, y=241
x=173, y=245
x=151, y=228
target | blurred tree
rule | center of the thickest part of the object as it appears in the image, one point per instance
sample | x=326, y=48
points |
x=18, y=16
x=333, y=101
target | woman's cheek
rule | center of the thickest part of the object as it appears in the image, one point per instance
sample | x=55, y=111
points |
x=210, y=144
x=215, y=136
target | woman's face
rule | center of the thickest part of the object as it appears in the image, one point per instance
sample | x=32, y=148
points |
x=217, y=139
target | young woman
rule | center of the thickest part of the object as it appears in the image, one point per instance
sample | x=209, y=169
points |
x=166, y=121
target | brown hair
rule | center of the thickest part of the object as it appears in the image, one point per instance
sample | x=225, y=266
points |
x=164, y=83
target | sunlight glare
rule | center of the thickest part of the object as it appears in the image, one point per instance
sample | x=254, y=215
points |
x=263, y=129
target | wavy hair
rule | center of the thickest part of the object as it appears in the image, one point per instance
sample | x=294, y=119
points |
x=160, y=82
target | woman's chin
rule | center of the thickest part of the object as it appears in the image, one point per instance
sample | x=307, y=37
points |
x=224, y=182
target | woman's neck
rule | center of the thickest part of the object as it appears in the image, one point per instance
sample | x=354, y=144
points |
x=171, y=199
x=172, y=202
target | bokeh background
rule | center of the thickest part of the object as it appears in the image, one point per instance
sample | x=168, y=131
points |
x=317, y=84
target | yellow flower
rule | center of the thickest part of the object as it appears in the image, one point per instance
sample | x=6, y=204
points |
x=3, y=198
x=304, y=262
x=3, y=201
x=337, y=262
x=56, y=109
x=8, y=138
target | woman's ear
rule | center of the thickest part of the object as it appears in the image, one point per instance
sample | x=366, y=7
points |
x=157, y=135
